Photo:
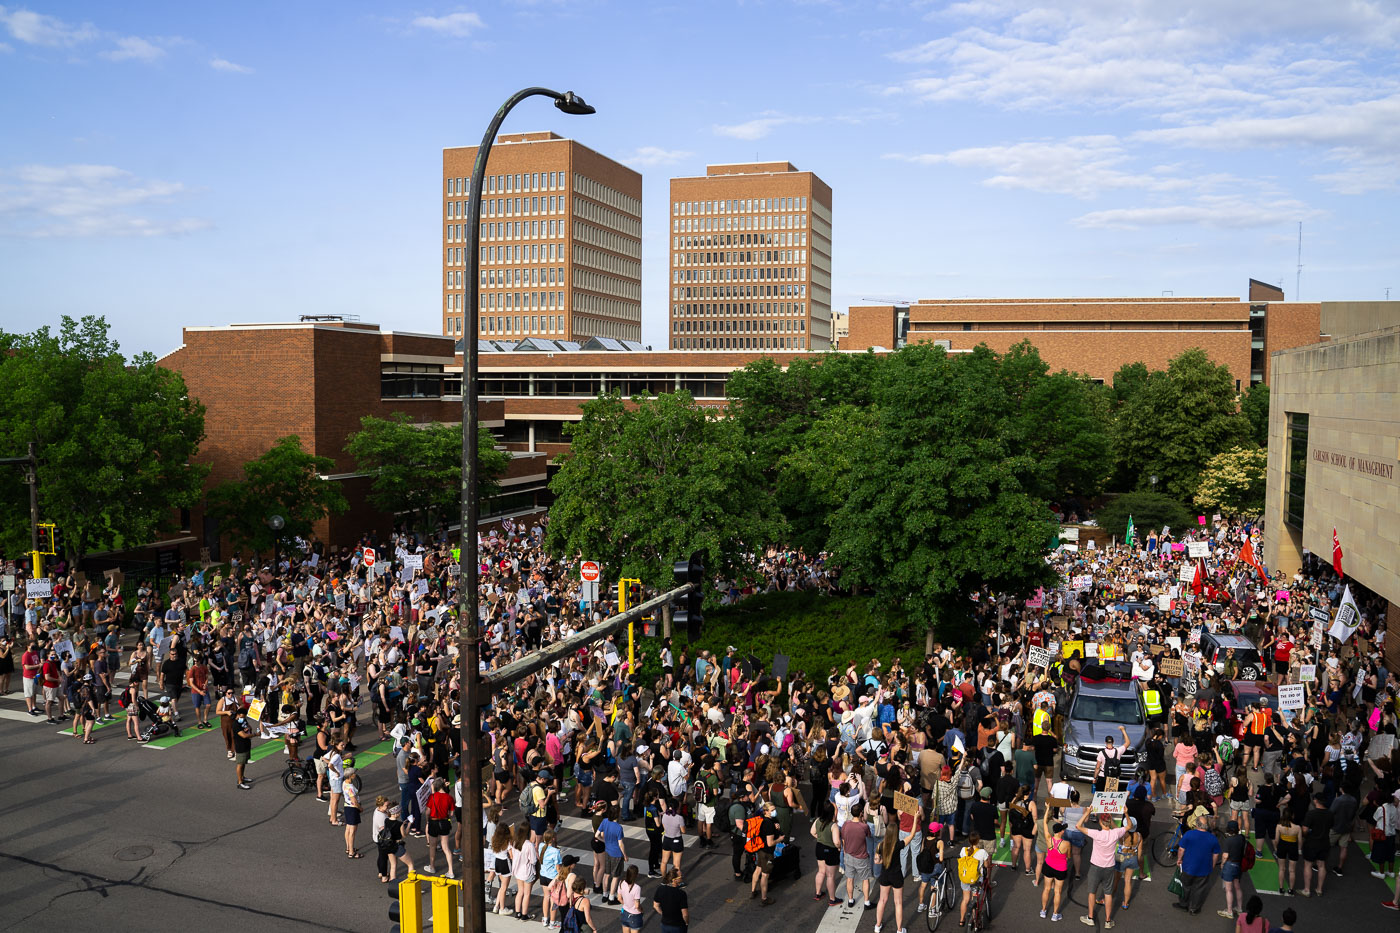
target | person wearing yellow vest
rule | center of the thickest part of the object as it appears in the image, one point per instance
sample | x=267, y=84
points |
x=1040, y=722
x=1152, y=701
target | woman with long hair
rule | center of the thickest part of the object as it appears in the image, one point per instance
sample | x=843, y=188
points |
x=672, y=832
x=1021, y=815
x=498, y=864
x=1252, y=920
x=891, y=877
x=523, y=865
x=1132, y=850
x=824, y=831
x=1055, y=870
x=1287, y=836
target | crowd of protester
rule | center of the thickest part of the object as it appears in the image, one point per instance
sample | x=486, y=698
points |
x=887, y=777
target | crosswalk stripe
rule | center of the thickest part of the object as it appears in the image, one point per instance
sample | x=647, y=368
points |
x=629, y=831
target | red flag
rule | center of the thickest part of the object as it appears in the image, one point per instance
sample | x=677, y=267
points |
x=1248, y=556
x=1198, y=581
x=1336, y=552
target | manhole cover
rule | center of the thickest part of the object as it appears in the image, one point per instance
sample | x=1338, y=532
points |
x=133, y=853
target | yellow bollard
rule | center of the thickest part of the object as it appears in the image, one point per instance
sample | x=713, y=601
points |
x=411, y=902
x=446, y=892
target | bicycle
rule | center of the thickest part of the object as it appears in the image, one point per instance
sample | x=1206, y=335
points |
x=942, y=899
x=1165, y=847
x=299, y=776
x=979, y=912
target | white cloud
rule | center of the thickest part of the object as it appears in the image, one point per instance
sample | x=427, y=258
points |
x=223, y=64
x=87, y=201
x=40, y=29
x=1080, y=166
x=760, y=126
x=1223, y=211
x=134, y=48
x=457, y=25
x=647, y=156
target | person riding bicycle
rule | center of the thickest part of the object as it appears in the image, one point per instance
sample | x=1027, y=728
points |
x=972, y=871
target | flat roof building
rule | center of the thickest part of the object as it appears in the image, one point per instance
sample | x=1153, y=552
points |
x=750, y=264
x=561, y=241
x=1334, y=452
x=1098, y=336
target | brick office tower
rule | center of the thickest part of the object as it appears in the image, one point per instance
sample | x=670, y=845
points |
x=561, y=241
x=750, y=259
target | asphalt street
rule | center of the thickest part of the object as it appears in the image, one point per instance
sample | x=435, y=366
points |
x=116, y=837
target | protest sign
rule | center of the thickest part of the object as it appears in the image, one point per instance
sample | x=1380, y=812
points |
x=413, y=561
x=1070, y=648
x=1170, y=667
x=906, y=804
x=1038, y=657
x=1111, y=804
x=1195, y=549
x=1292, y=696
x=1307, y=673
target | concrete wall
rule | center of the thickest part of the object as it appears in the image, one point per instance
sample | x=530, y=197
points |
x=1350, y=318
x=1350, y=389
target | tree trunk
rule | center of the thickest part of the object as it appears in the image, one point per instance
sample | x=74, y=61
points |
x=666, y=620
x=928, y=641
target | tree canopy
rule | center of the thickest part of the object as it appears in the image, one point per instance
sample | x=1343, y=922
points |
x=285, y=481
x=115, y=439
x=648, y=481
x=417, y=468
x=1178, y=421
x=1149, y=510
x=1233, y=482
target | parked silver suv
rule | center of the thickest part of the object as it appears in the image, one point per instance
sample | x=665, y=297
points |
x=1097, y=709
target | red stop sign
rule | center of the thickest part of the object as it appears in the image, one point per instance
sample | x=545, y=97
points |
x=589, y=571
x=369, y=557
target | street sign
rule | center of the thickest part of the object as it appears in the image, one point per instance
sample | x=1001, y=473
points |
x=589, y=571
x=42, y=588
x=589, y=592
x=369, y=557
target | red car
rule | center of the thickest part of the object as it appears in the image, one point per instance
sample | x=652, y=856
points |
x=1241, y=693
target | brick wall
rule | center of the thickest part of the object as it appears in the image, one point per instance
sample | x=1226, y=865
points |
x=870, y=326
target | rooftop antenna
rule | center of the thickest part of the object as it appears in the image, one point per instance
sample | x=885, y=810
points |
x=1298, y=276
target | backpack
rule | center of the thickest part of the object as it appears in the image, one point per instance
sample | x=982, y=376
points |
x=969, y=869
x=753, y=834
x=1247, y=860
x=1113, y=765
x=570, y=922
x=527, y=799
x=1213, y=784
x=965, y=784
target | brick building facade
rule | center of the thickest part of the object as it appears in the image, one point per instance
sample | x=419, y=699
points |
x=1098, y=336
x=750, y=261
x=561, y=241
x=262, y=382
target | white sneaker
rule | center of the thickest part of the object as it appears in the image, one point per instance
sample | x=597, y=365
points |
x=919, y=908
x=1377, y=874
x=877, y=928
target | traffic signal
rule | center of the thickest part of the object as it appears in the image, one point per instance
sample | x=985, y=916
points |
x=48, y=539
x=687, y=608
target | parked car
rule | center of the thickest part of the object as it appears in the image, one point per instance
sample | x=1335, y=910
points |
x=1133, y=608
x=1243, y=693
x=1215, y=651
x=1097, y=709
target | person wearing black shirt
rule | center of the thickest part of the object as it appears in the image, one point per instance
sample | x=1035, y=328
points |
x=1045, y=745
x=984, y=814
x=672, y=904
x=242, y=747
x=1317, y=826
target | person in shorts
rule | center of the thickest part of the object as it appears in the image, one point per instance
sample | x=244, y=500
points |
x=1103, y=863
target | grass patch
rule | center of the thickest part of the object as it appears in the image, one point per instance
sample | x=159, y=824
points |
x=816, y=632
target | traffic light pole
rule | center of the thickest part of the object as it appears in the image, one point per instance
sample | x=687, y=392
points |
x=36, y=569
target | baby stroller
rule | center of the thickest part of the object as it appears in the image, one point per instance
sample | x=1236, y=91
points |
x=161, y=718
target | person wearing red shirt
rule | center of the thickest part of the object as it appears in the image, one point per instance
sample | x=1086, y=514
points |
x=51, y=673
x=1283, y=653
x=29, y=672
x=440, y=807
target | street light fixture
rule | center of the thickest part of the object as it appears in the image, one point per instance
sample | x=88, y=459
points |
x=468, y=628
x=276, y=523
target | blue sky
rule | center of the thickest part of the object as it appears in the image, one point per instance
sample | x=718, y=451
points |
x=171, y=164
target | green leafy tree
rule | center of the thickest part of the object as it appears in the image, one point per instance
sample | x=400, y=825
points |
x=115, y=439
x=938, y=505
x=417, y=468
x=1182, y=418
x=814, y=476
x=1128, y=383
x=1254, y=405
x=285, y=481
x=1233, y=482
x=1149, y=510
x=1059, y=419
x=648, y=481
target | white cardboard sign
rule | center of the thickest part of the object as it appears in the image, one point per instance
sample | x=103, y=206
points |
x=1292, y=696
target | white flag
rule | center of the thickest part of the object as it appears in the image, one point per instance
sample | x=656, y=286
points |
x=1348, y=617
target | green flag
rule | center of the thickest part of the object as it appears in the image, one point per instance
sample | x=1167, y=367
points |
x=1128, y=539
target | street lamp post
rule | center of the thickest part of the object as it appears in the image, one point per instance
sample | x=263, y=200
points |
x=468, y=627
x=276, y=523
